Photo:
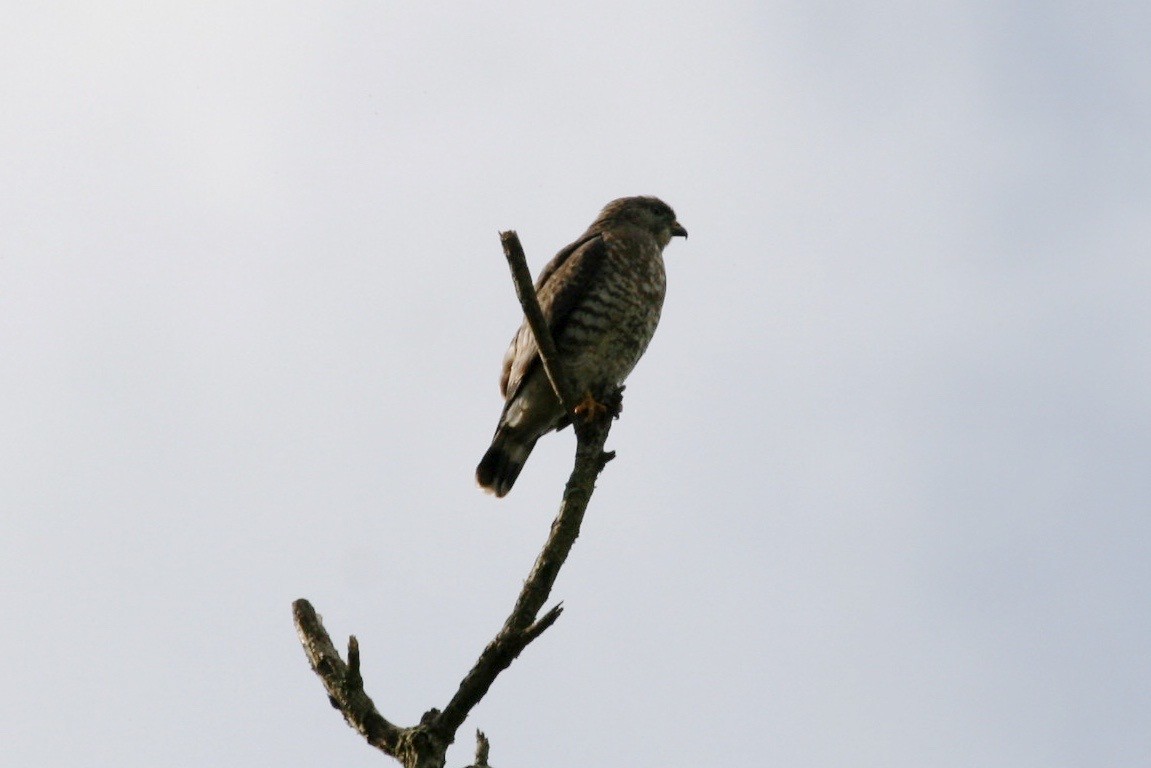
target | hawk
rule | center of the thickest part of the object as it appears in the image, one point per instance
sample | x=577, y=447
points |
x=601, y=297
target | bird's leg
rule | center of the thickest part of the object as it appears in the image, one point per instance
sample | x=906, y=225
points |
x=608, y=404
x=590, y=409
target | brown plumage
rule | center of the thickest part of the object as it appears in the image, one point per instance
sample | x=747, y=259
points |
x=601, y=297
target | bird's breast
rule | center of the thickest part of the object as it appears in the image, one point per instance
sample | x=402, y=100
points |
x=610, y=329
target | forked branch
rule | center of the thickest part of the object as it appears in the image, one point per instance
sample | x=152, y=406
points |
x=425, y=745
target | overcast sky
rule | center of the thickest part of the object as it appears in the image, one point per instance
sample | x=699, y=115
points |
x=883, y=487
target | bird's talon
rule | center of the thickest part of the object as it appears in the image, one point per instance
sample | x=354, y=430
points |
x=590, y=409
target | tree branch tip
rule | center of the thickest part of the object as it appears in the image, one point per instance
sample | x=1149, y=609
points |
x=534, y=316
x=353, y=655
x=483, y=746
x=604, y=458
x=302, y=609
x=542, y=623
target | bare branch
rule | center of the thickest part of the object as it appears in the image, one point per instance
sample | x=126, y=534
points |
x=342, y=681
x=482, y=747
x=425, y=745
x=521, y=627
x=526, y=292
x=545, y=621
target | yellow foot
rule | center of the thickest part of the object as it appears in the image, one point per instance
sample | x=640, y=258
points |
x=590, y=409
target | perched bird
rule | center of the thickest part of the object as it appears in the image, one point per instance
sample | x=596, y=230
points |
x=601, y=297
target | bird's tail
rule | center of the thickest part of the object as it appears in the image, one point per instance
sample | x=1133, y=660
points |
x=501, y=465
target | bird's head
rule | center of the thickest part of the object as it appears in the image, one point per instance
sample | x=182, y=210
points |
x=648, y=213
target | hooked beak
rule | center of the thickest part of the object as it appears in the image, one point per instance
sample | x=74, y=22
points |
x=677, y=230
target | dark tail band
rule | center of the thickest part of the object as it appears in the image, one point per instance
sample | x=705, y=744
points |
x=501, y=465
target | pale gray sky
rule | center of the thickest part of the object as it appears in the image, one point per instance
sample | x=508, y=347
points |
x=884, y=477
